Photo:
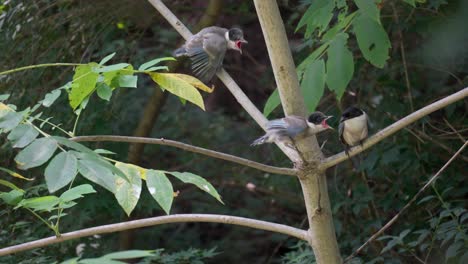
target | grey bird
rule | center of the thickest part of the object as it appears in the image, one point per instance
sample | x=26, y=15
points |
x=353, y=128
x=207, y=48
x=287, y=128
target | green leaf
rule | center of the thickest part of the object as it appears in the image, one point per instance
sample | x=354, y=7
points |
x=318, y=15
x=10, y=120
x=411, y=2
x=129, y=254
x=4, y=97
x=372, y=40
x=10, y=185
x=61, y=171
x=22, y=135
x=83, y=84
x=15, y=174
x=95, y=172
x=179, y=87
x=311, y=58
x=313, y=84
x=36, y=154
x=198, y=181
x=113, y=67
x=12, y=197
x=344, y=23
x=272, y=102
x=104, y=152
x=51, y=97
x=369, y=8
x=157, y=68
x=76, y=192
x=128, y=81
x=128, y=193
x=147, y=65
x=107, y=58
x=104, y=91
x=340, y=65
x=100, y=261
x=160, y=188
x=44, y=203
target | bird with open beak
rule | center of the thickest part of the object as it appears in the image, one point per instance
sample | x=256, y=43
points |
x=207, y=48
x=286, y=129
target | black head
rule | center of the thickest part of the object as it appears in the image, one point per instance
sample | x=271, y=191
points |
x=316, y=118
x=236, y=34
x=351, y=112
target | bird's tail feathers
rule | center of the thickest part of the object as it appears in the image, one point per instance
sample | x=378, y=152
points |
x=180, y=52
x=259, y=141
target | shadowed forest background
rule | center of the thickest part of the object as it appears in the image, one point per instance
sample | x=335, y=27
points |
x=435, y=56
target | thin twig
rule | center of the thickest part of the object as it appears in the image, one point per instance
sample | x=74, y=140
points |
x=184, y=146
x=39, y=66
x=180, y=218
x=395, y=127
x=415, y=197
x=455, y=131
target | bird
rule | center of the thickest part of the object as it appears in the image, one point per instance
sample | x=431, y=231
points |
x=207, y=48
x=353, y=128
x=287, y=128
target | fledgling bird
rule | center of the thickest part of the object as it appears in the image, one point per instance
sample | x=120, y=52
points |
x=287, y=128
x=207, y=48
x=353, y=128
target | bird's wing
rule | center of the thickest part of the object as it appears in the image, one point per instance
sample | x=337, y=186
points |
x=296, y=124
x=207, y=53
x=340, y=132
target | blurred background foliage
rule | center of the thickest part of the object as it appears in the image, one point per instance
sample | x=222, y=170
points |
x=436, y=61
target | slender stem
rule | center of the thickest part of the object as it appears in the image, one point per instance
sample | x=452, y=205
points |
x=42, y=219
x=180, y=145
x=181, y=218
x=395, y=127
x=415, y=197
x=76, y=122
x=55, y=126
x=39, y=66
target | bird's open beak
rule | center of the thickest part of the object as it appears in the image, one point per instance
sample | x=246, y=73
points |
x=244, y=41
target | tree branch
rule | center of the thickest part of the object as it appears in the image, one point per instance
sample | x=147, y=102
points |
x=232, y=86
x=180, y=145
x=393, y=220
x=181, y=218
x=395, y=127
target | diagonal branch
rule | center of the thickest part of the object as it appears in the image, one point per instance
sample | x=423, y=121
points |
x=180, y=218
x=393, y=220
x=184, y=146
x=231, y=85
x=395, y=127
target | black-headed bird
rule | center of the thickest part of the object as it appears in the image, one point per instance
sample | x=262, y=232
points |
x=353, y=128
x=286, y=129
x=207, y=48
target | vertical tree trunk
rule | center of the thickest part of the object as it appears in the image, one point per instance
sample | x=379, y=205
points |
x=321, y=235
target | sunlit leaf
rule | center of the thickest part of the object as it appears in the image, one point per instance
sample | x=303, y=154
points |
x=194, y=82
x=128, y=193
x=128, y=81
x=198, y=181
x=15, y=174
x=372, y=40
x=10, y=185
x=36, y=154
x=61, y=171
x=179, y=87
x=83, y=84
x=340, y=65
x=160, y=188
x=313, y=84
x=113, y=67
x=147, y=65
x=4, y=97
x=22, y=135
x=129, y=254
